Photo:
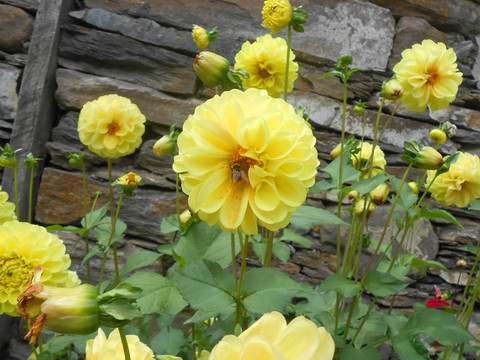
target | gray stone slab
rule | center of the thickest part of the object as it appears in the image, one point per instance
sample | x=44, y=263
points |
x=8, y=91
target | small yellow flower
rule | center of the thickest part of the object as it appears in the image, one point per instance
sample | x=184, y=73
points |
x=111, y=126
x=265, y=62
x=277, y=14
x=111, y=348
x=23, y=246
x=129, y=182
x=361, y=160
x=200, y=36
x=460, y=185
x=429, y=76
x=271, y=338
x=246, y=158
x=7, y=209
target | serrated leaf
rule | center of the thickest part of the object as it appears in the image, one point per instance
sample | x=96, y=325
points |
x=290, y=235
x=407, y=197
x=383, y=284
x=349, y=172
x=169, y=224
x=306, y=217
x=160, y=295
x=341, y=285
x=281, y=251
x=366, y=185
x=92, y=218
x=426, y=213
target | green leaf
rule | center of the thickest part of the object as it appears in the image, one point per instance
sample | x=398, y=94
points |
x=382, y=284
x=349, y=353
x=290, y=235
x=407, y=197
x=471, y=248
x=316, y=303
x=266, y=290
x=168, y=341
x=341, y=285
x=122, y=290
x=205, y=285
x=322, y=186
x=374, y=329
x=475, y=205
x=281, y=251
x=366, y=185
x=139, y=260
x=418, y=264
x=306, y=217
x=103, y=231
x=410, y=348
x=426, y=213
x=159, y=295
x=68, y=228
x=349, y=171
x=120, y=309
x=90, y=254
x=169, y=224
x=94, y=217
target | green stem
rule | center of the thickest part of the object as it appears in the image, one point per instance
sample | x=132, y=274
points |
x=15, y=184
x=30, y=193
x=364, y=320
x=84, y=192
x=177, y=197
x=287, y=65
x=234, y=259
x=243, y=268
x=268, y=251
x=113, y=219
x=123, y=337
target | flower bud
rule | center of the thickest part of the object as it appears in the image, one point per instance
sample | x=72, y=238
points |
x=200, y=36
x=335, y=152
x=30, y=162
x=211, y=68
x=8, y=157
x=461, y=264
x=277, y=14
x=414, y=186
x=428, y=159
x=185, y=216
x=63, y=310
x=391, y=90
x=164, y=146
x=75, y=159
x=359, y=206
x=352, y=195
x=359, y=107
x=438, y=136
x=343, y=61
x=380, y=194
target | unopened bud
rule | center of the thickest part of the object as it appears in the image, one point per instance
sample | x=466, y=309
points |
x=380, y=194
x=200, y=36
x=352, y=195
x=428, y=159
x=461, y=264
x=31, y=162
x=438, y=136
x=391, y=90
x=164, y=146
x=75, y=159
x=8, y=157
x=414, y=187
x=336, y=152
x=359, y=208
x=211, y=68
x=185, y=216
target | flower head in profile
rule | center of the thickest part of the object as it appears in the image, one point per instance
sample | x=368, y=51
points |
x=246, y=158
x=111, y=348
x=7, y=208
x=129, y=182
x=265, y=62
x=460, y=185
x=111, y=126
x=429, y=75
x=277, y=14
x=271, y=337
x=24, y=246
x=200, y=37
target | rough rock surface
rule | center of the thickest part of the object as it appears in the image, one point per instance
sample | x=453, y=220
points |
x=8, y=91
x=15, y=28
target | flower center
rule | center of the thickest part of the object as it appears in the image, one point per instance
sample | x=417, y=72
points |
x=432, y=77
x=13, y=273
x=113, y=128
x=263, y=71
x=239, y=165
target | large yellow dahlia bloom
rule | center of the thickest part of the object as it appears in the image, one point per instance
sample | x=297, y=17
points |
x=111, y=348
x=7, y=209
x=271, y=338
x=429, y=76
x=277, y=14
x=460, y=185
x=111, y=126
x=265, y=62
x=23, y=246
x=246, y=158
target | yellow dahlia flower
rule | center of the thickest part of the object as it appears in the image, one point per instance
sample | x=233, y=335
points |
x=271, y=338
x=361, y=159
x=460, y=185
x=246, y=158
x=23, y=246
x=7, y=209
x=429, y=76
x=265, y=62
x=111, y=348
x=111, y=126
x=277, y=14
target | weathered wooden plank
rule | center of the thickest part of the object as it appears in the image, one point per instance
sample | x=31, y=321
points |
x=36, y=104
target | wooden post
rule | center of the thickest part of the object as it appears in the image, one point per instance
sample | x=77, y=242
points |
x=36, y=103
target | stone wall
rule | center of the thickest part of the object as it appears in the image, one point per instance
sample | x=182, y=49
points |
x=144, y=50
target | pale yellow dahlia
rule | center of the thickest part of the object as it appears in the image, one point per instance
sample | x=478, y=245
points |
x=460, y=185
x=277, y=14
x=429, y=76
x=111, y=348
x=246, y=158
x=111, y=126
x=265, y=62
x=23, y=246
x=7, y=209
x=271, y=338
